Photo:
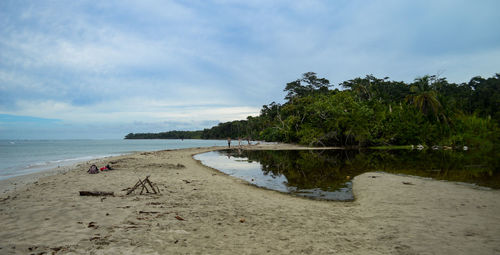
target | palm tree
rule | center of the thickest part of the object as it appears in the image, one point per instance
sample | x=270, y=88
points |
x=361, y=86
x=425, y=98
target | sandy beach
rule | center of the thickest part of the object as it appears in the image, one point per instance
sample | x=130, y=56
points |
x=203, y=211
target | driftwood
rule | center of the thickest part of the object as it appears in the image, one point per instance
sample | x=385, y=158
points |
x=96, y=193
x=146, y=212
x=144, y=186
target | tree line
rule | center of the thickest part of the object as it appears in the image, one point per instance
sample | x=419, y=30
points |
x=376, y=111
x=166, y=135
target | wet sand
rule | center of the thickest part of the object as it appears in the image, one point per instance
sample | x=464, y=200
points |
x=203, y=211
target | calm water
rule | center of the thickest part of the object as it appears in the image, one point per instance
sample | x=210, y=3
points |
x=19, y=157
x=328, y=174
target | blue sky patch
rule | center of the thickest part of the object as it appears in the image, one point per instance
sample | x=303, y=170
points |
x=7, y=118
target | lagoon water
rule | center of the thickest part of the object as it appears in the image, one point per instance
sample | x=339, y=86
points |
x=20, y=157
x=328, y=174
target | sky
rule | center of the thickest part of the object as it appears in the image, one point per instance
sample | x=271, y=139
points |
x=103, y=69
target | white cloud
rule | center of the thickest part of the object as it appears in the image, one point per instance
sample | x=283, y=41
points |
x=135, y=109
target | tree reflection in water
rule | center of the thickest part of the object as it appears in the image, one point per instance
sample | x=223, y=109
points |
x=328, y=173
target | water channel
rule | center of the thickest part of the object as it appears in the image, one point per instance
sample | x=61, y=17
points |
x=328, y=174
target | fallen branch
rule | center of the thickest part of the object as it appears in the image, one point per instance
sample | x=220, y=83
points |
x=96, y=193
x=148, y=212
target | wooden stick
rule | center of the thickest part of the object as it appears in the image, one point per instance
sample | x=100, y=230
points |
x=143, y=186
x=150, y=184
x=96, y=193
x=157, y=189
x=152, y=212
x=133, y=188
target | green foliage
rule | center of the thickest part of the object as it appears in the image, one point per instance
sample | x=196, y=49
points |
x=425, y=98
x=309, y=84
x=337, y=119
x=485, y=98
x=476, y=132
x=271, y=134
x=233, y=129
x=371, y=88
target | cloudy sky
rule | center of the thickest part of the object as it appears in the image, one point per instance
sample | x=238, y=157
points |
x=102, y=69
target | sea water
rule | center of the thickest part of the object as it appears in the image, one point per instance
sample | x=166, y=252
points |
x=21, y=157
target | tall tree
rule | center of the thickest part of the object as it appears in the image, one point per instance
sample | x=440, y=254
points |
x=485, y=99
x=307, y=85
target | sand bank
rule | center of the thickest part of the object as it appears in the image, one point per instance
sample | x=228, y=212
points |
x=224, y=215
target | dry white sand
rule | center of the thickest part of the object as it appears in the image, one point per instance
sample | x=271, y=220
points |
x=224, y=215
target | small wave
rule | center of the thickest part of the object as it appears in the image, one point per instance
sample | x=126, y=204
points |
x=43, y=166
x=65, y=162
x=37, y=164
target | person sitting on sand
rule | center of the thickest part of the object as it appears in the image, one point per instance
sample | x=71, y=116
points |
x=93, y=170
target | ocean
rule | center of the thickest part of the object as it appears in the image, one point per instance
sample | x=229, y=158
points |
x=21, y=157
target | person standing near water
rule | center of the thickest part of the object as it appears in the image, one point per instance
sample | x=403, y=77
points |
x=229, y=142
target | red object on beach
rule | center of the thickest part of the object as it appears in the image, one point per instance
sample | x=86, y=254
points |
x=103, y=168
